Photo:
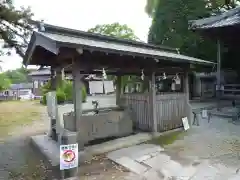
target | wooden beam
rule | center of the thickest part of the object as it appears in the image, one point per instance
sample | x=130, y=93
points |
x=118, y=89
x=152, y=95
x=77, y=93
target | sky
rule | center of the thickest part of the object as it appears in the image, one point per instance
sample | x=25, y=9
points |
x=83, y=15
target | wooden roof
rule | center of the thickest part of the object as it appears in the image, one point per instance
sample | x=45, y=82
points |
x=224, y=27
x=52, y=44
x=226, y=19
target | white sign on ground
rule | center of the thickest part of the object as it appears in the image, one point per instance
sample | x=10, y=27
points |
x=204, y=114
x=68, y=156
x=185, y=123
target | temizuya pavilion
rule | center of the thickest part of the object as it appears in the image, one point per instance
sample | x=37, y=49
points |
x=80, y=52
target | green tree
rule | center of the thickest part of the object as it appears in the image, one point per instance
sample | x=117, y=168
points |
x=115, y=30
x=215, y=5
x=4, y=82
x=170, y=27
x=14, y=27
x=17, y=76
x=119, y=31
x=150, y=7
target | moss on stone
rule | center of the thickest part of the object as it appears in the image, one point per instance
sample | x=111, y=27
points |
x=168, y=138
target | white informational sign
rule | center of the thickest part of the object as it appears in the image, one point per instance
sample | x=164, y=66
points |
x=185, y=123
x=68, y=156
x=204, y=114
x=51, y=104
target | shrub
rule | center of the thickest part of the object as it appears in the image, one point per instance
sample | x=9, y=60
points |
x=61, y=96
x=63, y=93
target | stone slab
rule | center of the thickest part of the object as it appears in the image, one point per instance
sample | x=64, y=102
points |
x=135, y=152
x=50, y=148
x=143, y=158
x=132, y=165
x=158, y=161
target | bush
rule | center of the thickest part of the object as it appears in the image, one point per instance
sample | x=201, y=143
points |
x=63, y=93
x=61, y=96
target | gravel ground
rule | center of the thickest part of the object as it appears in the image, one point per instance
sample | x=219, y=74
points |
x=20, y=161
x=217, y=141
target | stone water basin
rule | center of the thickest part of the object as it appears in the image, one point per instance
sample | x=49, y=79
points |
x=109, y=122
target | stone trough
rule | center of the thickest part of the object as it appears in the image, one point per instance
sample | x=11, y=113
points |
x=109, y=122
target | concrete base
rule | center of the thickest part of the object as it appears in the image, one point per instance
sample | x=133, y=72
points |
x=50, y=149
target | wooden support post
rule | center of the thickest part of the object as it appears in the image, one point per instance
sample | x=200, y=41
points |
x=218, y=88
x=77, y=92
x=53, y=82
x=70, y=137
x=59, y=76
x=186, y=85
x=118, y=90
x=152, y=99
x=188, y=107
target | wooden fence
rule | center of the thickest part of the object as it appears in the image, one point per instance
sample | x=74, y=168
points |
x=231, y=91
x=170, y=109
x=7, y=98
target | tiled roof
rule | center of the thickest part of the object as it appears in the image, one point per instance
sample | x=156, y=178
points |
x=21, y=86
x=228, y=18
x=54, y=38
x=40, y=72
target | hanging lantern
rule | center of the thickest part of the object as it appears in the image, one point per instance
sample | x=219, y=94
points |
x=142, y=76
x=104, y=75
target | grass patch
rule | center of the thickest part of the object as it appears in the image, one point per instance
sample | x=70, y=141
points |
x=17, y=113
x=168, y=138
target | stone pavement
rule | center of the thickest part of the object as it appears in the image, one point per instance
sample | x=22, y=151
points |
x=151, y=162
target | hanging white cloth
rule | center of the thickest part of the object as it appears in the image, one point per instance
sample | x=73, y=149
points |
x=108, y=85
x=96, y=87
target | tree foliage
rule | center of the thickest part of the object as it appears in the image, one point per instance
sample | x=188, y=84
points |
x=215, y=5
x=115, y=30
x=4, y=82
x=170, y=27
x=17, y=76
x=14, y=27
x=64, y=92
x=150, y=7
x=119, y=31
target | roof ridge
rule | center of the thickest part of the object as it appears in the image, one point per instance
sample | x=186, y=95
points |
x=215, y=18
x=74, y=32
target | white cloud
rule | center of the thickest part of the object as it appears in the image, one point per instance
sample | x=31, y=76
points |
x=85, y=14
